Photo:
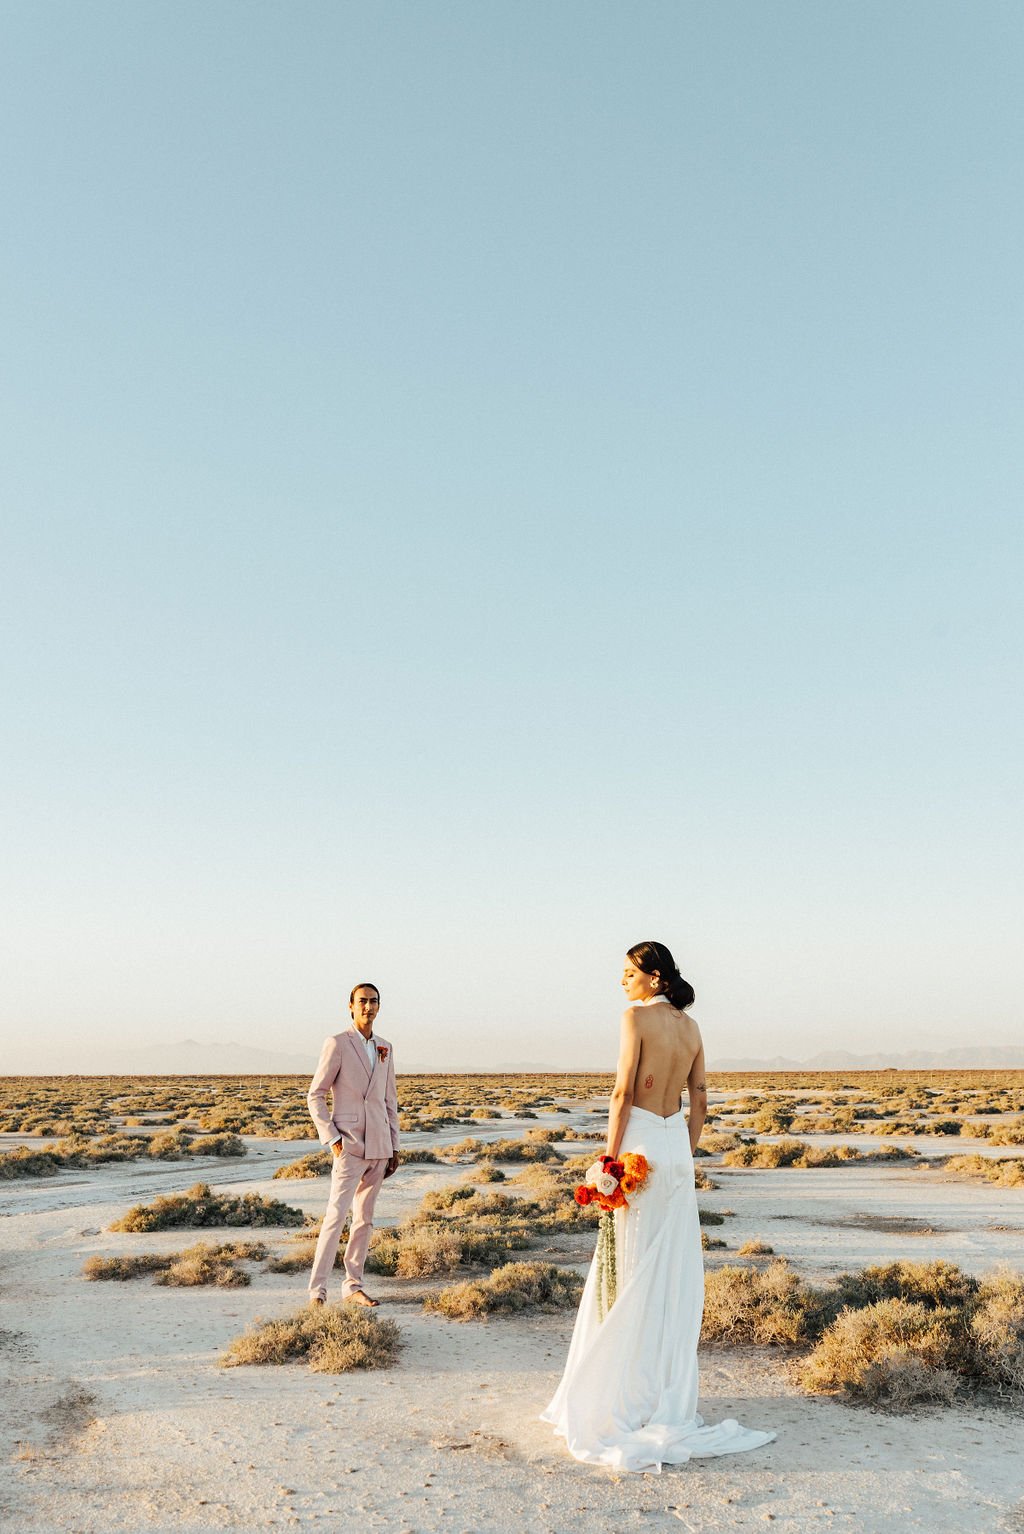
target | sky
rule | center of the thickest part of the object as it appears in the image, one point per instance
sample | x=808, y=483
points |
x=484, y=485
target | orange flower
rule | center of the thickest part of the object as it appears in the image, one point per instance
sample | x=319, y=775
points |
x=628, y=1184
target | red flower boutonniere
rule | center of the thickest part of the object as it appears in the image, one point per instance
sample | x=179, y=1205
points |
x=382, y=1051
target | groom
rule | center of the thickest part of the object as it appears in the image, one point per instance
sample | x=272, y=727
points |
x=358, y=1069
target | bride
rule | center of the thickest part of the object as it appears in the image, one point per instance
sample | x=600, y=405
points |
x=628, y=1397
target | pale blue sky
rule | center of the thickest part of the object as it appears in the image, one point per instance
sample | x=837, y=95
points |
x=486, y=484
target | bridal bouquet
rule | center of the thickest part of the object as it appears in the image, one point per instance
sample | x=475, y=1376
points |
x=608, y=1182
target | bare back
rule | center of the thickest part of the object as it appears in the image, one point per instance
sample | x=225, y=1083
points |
x=669, y=1044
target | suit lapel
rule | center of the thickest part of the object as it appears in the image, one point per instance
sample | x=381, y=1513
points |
x=359, y=1045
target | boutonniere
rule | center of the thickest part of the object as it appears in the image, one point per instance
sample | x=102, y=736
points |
x=382, y=1051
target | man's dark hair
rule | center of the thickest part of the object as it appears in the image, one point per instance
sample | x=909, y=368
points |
x=364, y=985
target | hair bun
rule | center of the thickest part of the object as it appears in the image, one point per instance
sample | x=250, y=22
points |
x=656, y=958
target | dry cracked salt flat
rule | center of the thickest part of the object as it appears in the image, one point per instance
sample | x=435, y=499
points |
x=116, y=1417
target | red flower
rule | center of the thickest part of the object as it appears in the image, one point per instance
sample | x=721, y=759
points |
x=382, y=1051
x=583, y=1195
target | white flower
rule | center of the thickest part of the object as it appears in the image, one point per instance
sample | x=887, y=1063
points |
x=606, y=1184
x=593, y=1173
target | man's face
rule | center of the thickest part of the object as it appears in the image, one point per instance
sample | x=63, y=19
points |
x=364, y=1007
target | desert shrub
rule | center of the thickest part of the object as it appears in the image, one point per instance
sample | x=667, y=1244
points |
x=299, y=1256
x=171, y=1145
x=714, y=1141
x=80, y=1152
x=316, y=1164
x=501, y=1150
x=797, y=1153
x=444, y=1198
x=546, y=1181
x=484, y=1173
x=710, y=1243
x=936, y=1285
x=333, y=1339
x=842, y=1121
x=477, y=1247
x=755, y=1249
x=1005, y=1170
x=547, y=1213
x=702, y=1181
x=427, y=1249
x=231, y=1119
x=382, y=1256
x=460, y=1226
x=516, y=1287
x=710, y=1217
x=778, y=1153
x=425, y=1121
x=121, y=1269
x=200, y=1206
x=892, y=1353
x=767, y=1305
x=997, y=1331
x=1004, y=1134
x=406, y=1157
x=774, y=1118
x=23, y=1162
x=202, y=1264
x=217, y=1145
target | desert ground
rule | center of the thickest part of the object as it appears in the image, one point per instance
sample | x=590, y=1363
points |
x=116, y=1414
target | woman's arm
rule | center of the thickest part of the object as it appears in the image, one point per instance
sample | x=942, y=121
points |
x=697, y=1091
x=625, y=1077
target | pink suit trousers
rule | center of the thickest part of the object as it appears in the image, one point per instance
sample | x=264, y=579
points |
x=355, y=1183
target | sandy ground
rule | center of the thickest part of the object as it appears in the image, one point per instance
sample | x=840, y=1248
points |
x=115, y=1417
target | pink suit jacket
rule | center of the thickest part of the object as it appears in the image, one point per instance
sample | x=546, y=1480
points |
x=364, y=1104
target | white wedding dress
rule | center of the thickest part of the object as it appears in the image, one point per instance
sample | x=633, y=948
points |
x=628, y=1397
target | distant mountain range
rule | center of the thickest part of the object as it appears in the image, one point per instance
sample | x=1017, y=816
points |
x=977, y=1058
x=187, y=1057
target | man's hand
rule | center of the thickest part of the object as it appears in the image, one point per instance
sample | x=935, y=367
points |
x=336, y=1148
x=392, y=1166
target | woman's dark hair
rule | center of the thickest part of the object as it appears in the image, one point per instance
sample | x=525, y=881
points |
x=656, y=958
x=364, y=985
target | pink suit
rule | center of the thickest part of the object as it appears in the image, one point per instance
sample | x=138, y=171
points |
x=364, y=1116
